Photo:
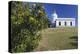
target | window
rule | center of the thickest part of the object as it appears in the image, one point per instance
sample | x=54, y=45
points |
x=59, y=23
x=65, y=23
x=70, y=23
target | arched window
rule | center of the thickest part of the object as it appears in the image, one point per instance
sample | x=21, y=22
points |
x=70, y=23
x=59, y=23
x=65, y=23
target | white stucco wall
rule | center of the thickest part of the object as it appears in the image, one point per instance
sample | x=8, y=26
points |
x=73, y=22
x=57, y=23
x=67, y=23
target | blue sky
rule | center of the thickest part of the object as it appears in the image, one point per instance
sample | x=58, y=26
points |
x=69, y=11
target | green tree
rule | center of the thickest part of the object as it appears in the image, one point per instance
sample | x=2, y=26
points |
x=26, y=22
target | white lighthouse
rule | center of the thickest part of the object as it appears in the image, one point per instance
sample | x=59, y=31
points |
x=62, y=22
x=54, y=16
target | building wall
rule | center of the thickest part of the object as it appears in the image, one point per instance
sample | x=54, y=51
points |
x=73, y=22
x=68, y=23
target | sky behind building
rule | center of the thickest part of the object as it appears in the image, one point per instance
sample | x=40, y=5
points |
x=63, y=11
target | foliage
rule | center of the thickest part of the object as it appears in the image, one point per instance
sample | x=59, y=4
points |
x=27, y=20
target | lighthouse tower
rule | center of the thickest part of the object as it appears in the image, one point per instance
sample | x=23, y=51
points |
x=54, y=16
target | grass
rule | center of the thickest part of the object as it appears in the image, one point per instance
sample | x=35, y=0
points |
x=58, y=39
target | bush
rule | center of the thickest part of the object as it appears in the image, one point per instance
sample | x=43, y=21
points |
x=26, y=25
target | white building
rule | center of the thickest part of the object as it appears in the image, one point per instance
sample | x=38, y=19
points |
x=62, y=22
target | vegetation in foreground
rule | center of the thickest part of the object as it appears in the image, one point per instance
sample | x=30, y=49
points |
x=58, y=39
x=26, y=20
